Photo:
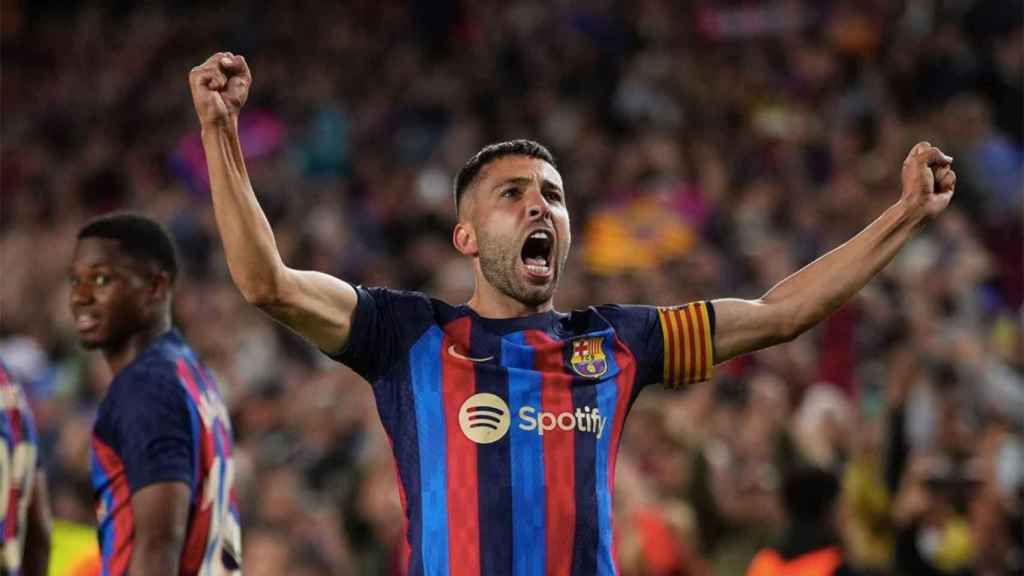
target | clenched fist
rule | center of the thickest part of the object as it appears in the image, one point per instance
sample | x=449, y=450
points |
x=928, y=180
x=220, y=87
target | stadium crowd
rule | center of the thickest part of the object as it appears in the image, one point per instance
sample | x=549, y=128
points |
x=708, y=149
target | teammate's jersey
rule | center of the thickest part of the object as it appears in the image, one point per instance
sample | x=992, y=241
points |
x=163, y=420
x=506, y=431
x=17, y=471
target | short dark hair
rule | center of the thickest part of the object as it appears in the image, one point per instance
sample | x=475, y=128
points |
x=809, y=492
x=140, y=236
x=492, y=152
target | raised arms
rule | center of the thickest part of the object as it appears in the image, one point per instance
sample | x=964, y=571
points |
x=815, y=291
x=315, y=305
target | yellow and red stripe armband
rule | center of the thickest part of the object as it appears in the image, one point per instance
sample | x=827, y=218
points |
x=686, y=332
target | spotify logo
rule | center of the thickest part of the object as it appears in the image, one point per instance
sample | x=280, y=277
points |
x=484, y=418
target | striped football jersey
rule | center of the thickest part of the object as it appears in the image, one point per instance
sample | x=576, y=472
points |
x=163, y=420
x=18, y=462
x=506, y=432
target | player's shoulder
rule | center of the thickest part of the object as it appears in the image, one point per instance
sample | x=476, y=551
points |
x=622, y=320
x=398, y=299
x=624, y=309
x=412, y=309
x=149, y=367
x=644, y=316
x=634, y=325
x=620, y=316
x=154, y=373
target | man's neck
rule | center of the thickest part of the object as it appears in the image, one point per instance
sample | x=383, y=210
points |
x=120, y=357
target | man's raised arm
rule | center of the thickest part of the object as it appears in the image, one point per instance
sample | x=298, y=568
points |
x=317, y=306
x=811, y=294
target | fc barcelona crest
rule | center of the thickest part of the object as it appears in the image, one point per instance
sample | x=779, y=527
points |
x=588, y=359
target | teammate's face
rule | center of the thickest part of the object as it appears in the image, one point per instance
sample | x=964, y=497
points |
x=111, y=296
x=521, y=222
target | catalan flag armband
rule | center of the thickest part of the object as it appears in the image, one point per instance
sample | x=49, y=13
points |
x=686, y=331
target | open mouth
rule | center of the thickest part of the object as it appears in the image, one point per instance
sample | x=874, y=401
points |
x=86, y=322
x=536, y=253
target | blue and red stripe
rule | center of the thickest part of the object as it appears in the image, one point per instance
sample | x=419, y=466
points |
x=625, y=363
x=529, y=501
x=585, y=545
x=425, y=373
x=559, y=450
x=613, y=401
x=100, y=477
x=494, y=463
x=118, y=525
x=397, y=404
x=14, y=434
x=559, y=517
x=5, y=436
x=405, y=550
x=195, y=421
x=207, y=444
x=458, y=384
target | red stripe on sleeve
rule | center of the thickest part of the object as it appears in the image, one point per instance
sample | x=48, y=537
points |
x=11, y=527
x=458, y=378
x=124, y=524
x=559, y=454
x=682, y=343
x=198, y=536
x=691, y=369
x=185, y=375
x=207, y=450
x=199, y=526
x=671, y=348
x=703, y=345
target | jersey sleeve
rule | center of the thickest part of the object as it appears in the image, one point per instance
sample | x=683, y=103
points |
x=154, y=430
x=687, y=352
x=385, y=325
x=672, y=345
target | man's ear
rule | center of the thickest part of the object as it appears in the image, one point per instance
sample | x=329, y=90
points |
x=464, y=239
x=159, y=288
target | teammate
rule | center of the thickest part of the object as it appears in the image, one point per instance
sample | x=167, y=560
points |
x=161, y=448
x=24, y=506
x=504, y=414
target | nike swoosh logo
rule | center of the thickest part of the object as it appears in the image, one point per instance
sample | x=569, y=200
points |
x=453, y=352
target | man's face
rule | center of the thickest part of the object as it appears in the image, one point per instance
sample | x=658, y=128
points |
x=109, y=294
x=521, y=221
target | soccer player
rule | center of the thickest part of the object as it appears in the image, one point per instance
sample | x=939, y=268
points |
x=504, y=414
x=161, y=448
x=24, y=506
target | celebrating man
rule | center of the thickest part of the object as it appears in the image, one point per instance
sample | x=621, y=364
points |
x=504, y=414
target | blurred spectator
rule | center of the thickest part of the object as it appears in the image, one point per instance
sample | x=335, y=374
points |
x=737, y=476
x=811, y=544
x=951, y=512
